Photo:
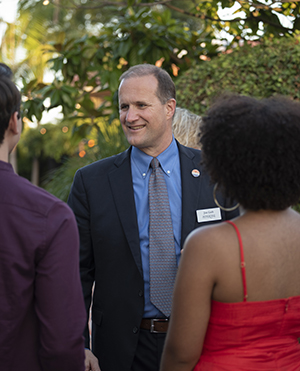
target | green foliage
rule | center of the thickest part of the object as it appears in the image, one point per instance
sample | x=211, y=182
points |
x=92, y=59
x=94, y=64
x=89, y=44
x=46, y=141
x=59, y=181
x=271, y=67
x=250, y=20
x=109, y=140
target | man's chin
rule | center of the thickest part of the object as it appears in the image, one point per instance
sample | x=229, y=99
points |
x=134, y=141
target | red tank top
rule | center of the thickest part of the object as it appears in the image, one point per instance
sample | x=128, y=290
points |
x=252, y=336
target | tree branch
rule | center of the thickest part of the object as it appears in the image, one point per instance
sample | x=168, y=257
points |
x=203, y=16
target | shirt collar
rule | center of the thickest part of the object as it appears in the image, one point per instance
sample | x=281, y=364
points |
x=166, y=158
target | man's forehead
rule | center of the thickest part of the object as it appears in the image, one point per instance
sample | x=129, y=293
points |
x=137, y=90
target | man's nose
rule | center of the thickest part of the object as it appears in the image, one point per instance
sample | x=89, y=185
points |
x=131, y=114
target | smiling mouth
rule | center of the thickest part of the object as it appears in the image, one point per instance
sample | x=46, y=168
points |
x=136, y=127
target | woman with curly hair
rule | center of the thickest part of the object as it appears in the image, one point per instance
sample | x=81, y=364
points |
x=236, y=302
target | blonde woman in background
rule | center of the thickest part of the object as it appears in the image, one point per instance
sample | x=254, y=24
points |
x=186, y=127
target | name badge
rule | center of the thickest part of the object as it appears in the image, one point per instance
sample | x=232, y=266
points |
x=208, y=215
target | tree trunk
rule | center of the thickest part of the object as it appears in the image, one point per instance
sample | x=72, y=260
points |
x=35, y=173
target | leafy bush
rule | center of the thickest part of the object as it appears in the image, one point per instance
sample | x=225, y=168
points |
x=261, y=70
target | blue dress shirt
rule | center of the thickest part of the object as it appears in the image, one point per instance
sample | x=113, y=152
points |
x=170, y=164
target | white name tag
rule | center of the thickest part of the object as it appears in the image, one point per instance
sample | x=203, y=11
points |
x=208, y=215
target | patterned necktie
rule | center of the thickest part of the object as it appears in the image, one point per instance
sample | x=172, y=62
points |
x=162, y=257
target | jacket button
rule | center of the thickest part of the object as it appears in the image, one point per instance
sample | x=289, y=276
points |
x=135, y=330
x=141, y=293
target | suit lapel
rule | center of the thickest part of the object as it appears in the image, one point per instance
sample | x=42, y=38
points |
x=191, y=189
x=122, y=189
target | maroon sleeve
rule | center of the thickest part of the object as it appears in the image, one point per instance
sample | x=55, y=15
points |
x=59, y=301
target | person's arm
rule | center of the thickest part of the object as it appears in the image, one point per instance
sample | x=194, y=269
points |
x=58, y=297
x=78, y=202
x=191, y=305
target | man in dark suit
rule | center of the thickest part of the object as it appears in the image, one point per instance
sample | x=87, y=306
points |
x=110, y=202
x=42, y=314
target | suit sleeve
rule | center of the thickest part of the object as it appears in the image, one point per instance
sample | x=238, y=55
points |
x=58, y=296
x=78, y=202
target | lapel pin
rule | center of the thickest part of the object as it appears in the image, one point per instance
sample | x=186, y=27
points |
x=195, y=173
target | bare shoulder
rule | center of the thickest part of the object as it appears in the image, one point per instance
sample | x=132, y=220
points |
x=210, y=236
x=207, y=244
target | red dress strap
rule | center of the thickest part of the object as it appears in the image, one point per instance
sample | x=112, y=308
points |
x=243, y=265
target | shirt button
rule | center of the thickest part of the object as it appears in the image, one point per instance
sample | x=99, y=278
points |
x=135, y=330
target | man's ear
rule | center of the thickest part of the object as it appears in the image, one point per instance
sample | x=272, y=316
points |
x=13, y=123
x=171, y=106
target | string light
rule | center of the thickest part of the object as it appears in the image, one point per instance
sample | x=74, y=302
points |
x=82, y=153
x=91, y=143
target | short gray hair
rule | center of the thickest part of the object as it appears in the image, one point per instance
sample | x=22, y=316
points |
x=166, y=88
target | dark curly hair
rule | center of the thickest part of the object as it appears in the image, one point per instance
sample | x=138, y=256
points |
x=251, y=148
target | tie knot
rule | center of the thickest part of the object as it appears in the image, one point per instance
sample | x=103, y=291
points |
x=154, y=163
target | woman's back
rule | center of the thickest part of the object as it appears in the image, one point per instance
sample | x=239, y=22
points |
x=271, y=241
x=258, y=335
x=252, y=336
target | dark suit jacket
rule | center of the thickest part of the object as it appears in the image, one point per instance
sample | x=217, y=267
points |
x=42, y=314
x=102, y=199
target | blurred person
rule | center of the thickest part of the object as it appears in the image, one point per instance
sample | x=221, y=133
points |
x=5, y=71
x=186, y=127
x=111, y=202
x=42, y=314
x=236, y=302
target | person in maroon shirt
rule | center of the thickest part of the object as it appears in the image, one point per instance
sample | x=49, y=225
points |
x=42, y=313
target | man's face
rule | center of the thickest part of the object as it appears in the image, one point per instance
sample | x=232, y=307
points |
x=147, y=123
